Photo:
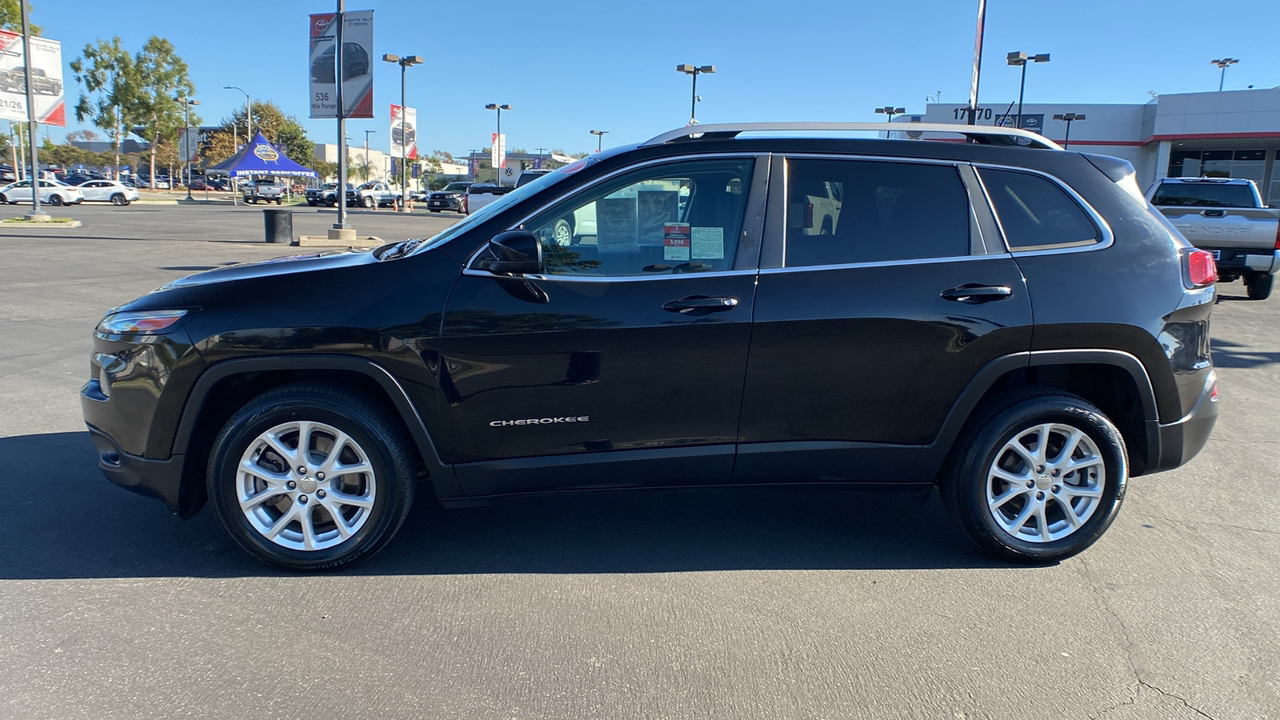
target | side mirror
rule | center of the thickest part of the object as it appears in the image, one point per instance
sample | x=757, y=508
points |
x=517, y=252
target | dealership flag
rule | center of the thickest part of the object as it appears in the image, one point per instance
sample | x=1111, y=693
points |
x=46, y=80
x=357, y=65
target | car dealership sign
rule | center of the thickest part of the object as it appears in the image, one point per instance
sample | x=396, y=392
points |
x=357, y=65
x=404, y=138
x=45, y=76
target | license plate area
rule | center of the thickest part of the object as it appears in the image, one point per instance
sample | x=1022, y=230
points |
x=1217, y=254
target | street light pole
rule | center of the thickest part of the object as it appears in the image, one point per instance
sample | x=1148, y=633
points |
x=186, y=137
x=599, y=139
x=248, y=115
x=404, y=62
x=497, y=143
x=366, y=148
x=693, y=98
x=31, y=122
x=1068, y=118
x=1021, y=58
x=1223, y=64
x=890, y=111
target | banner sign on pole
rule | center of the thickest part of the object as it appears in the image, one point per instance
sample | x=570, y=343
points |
x=45, y=75
x=404, y=139
x=498, y=150
x=357, y=65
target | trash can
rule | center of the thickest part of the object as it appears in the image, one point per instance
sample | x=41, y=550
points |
x=278, y=223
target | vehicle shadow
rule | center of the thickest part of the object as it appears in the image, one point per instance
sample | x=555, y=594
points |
x=1227, y=354
x=65, y=520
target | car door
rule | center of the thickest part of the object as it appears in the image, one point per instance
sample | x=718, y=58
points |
x=95, y=190
x=622, y=363
x=20, y=192
x=866, y=335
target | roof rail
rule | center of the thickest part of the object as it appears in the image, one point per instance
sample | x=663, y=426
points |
x=983, y=134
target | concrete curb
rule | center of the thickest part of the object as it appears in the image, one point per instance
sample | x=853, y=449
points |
x=324, y=241
x=42, y=225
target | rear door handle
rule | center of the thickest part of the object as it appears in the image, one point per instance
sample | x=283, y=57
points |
x=974, y=294
x=700, y=305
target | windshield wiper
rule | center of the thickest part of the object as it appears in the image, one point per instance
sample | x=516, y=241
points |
x=401, y=249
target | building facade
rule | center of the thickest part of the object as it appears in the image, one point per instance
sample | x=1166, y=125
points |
x=1235, y=133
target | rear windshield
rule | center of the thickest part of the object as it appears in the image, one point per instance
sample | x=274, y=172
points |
x=1204, y=195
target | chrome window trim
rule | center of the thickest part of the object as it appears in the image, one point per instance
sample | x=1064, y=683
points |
x=882, y=263
x=610, y=278
x=954, y=164
x=755, y=155
x=1107, y=240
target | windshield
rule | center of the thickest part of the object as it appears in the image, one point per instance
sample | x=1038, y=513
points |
x=495, y=207
x=456, y=187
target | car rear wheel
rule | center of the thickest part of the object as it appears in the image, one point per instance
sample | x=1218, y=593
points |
x=1258, y=285
x=55, y=199
x=311, y=477
x=1037, y=476
x=118, y=199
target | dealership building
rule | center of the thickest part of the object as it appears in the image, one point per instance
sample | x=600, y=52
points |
x=1234, y=133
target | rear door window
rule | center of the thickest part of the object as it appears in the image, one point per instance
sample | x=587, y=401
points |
x=856, y=211
x=1035, y=213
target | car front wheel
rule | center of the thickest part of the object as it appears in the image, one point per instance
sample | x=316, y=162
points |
x=1037, y=477
x=311, y=477
x=368, y=201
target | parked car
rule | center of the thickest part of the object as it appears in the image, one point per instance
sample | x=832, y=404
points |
x=374, y=193
x=197, y=184
x=265, y=190
x=1227, y=217
x=355, y=62
x=1014, y=325
x=110, y=191
x=325, y=195
x=52, y=192
x=450, y=197
x=481, y=194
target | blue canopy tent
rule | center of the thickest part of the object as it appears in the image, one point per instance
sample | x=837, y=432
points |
x=260, y=157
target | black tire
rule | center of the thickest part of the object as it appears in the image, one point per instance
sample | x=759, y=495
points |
x=986, y=439
x=1258, y=285
x=4, y=200
x=55, y=199
x=377, y=435
x=279, y=201
x=118, y=199
x=562, y=232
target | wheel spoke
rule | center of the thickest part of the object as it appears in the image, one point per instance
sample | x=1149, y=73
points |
x=1042, y=521
x=340, y=440
x=1027, y=456
x=304, y=443
x=270, y=477
x=308, y=527
x=257, y=499
x=1070, y=513
x=1015, y=525
x=338, y=521
x=288, y=455
x=340, y=470
x=338, y=498
x=1007, y=495
x=1073, y=442
x=1081, y=491
x=1042, y=443
x=283, y=521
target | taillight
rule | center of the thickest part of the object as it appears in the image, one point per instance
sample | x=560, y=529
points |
x=1201, y=269
x=1278, y=236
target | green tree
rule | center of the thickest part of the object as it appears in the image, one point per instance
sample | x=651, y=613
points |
x=106, y=74
x=325, y=170
x=11, y=17
x=358, y=169
x=161, y=77
x=276, y=127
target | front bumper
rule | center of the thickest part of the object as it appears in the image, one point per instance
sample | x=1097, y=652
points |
x=159, y=479
x=1182, y=440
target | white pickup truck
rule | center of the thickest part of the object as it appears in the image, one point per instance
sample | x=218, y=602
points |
x=374, y=193
x=1227, y=217
x=265, y=190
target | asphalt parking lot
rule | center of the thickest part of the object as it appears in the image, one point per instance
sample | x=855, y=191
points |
x=735, y=604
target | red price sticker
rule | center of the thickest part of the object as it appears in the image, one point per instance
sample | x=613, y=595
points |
x=675, y=242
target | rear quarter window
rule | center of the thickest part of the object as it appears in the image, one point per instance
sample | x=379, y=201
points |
x=1036, y=213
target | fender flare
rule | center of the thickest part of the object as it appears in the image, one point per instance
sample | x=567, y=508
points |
x=442, y=475
x=986, y=378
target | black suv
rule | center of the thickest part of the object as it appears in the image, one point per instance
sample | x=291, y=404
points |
x=1009, y=321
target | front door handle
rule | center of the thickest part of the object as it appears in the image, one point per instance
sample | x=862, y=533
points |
x=974, y=294
x=700, y=305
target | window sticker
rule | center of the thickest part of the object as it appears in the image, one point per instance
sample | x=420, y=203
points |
x=708, y=243
x=675, y=241
x=616, y=227
x=656, y=209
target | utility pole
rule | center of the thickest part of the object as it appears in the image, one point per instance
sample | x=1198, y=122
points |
x=340, y=228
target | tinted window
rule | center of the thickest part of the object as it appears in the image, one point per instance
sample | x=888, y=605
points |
x=676, y=218
x=1035, y=212
x=1204, y=195
x=851, y=211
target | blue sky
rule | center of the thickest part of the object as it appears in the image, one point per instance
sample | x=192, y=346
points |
x=571, y=66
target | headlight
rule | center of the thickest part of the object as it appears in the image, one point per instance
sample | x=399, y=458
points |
x=147, y=322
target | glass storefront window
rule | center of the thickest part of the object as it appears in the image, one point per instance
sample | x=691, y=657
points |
x=1251, y=164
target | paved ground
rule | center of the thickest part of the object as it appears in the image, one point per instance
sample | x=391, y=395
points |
x=689, y=605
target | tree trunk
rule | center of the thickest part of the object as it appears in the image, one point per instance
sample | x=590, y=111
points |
x=155, y=139
x=119, y=141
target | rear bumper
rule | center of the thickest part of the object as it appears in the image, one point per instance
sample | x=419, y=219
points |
x=1234, y=260
x=1182, y=440
x=159, y=479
